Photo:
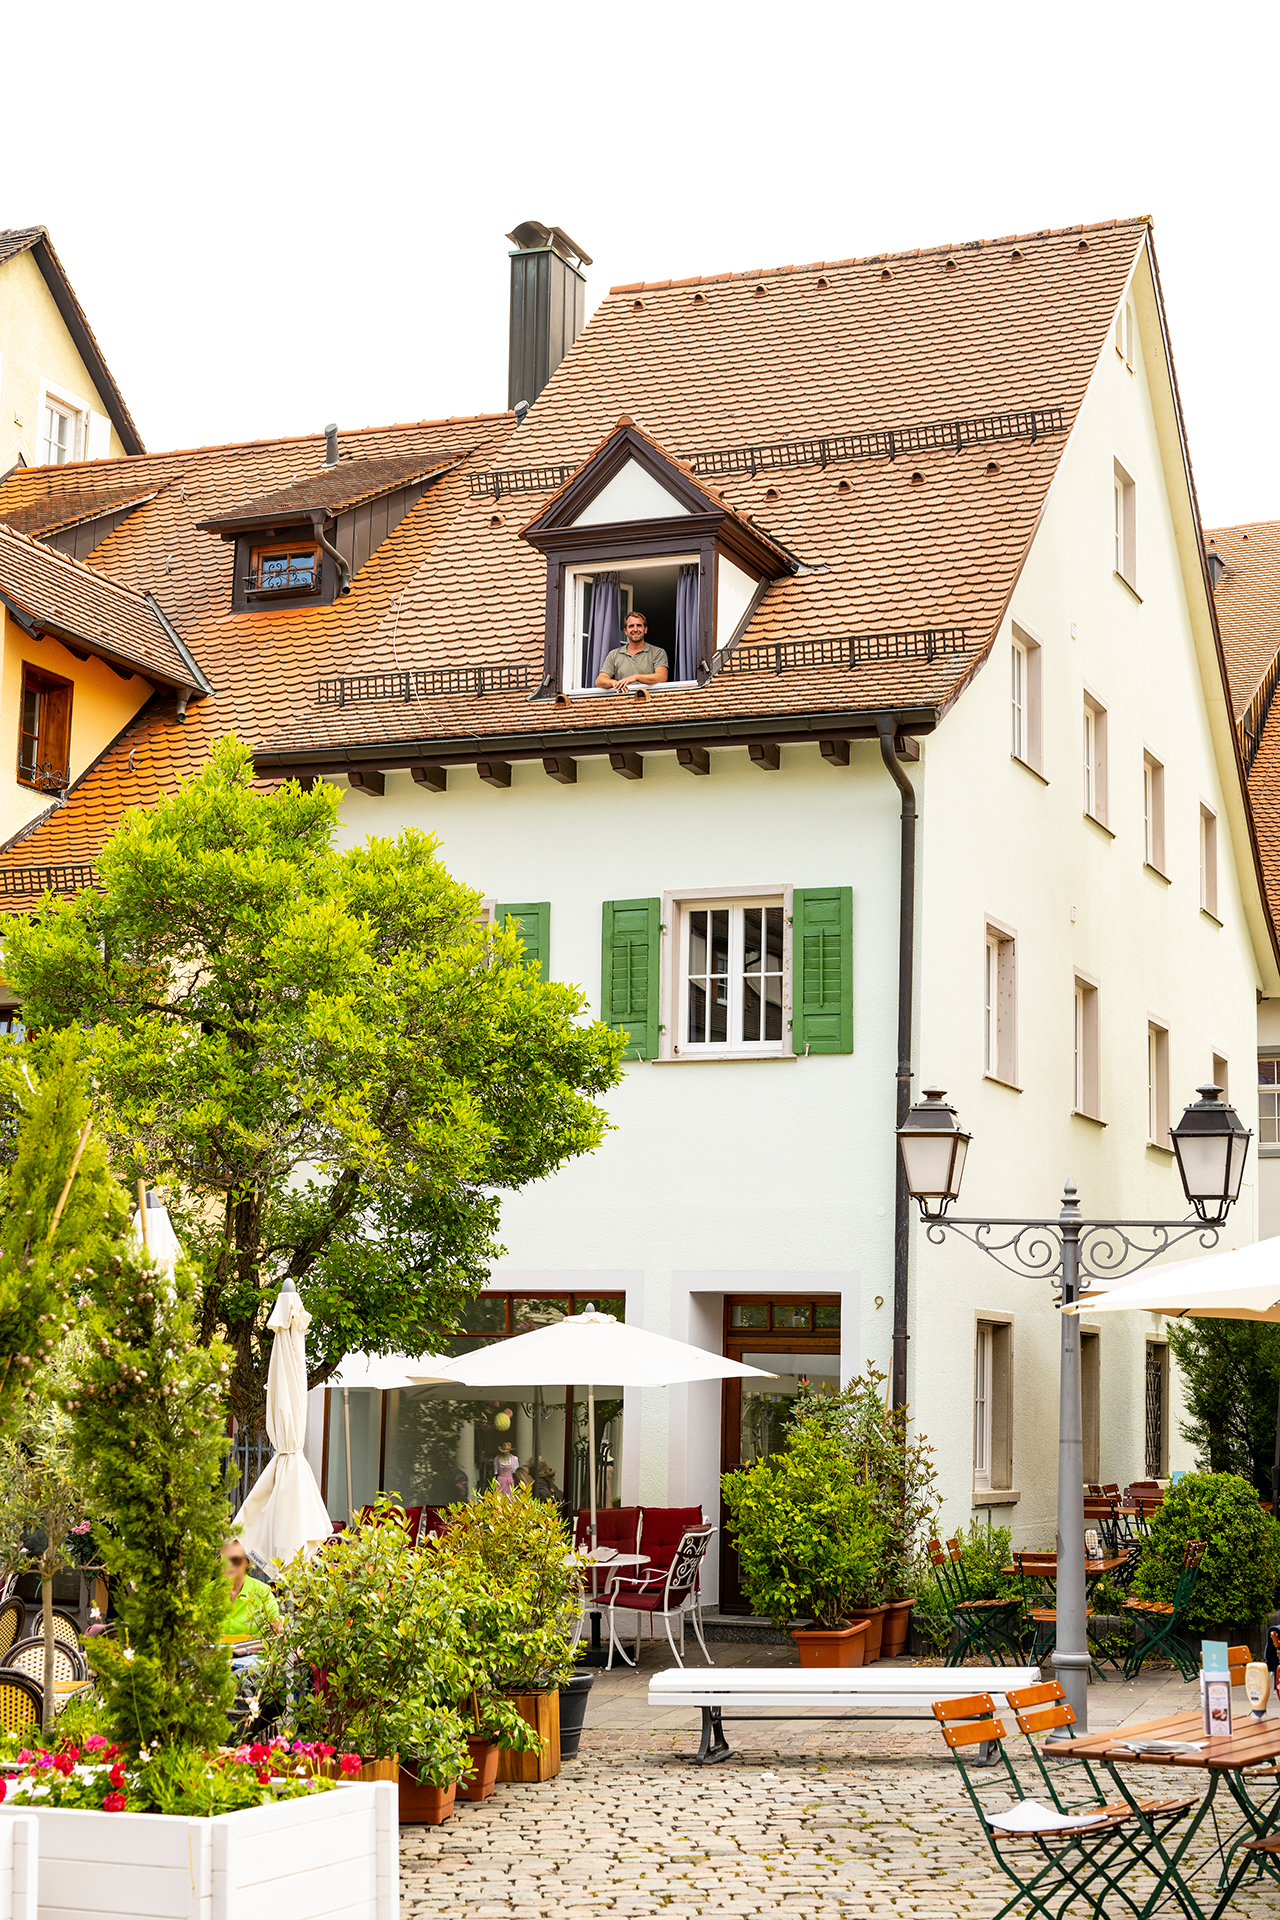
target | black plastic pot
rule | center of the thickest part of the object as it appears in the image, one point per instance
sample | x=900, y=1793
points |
x=573, y=1711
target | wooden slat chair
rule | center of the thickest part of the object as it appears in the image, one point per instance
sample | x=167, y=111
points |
x=1035, y=1570
x=12, y=1614
x=1044, y=1709
x=21, y=1703
x=984, y=1626
x=1158, y=1623
x=1052, y=1862
x=27, y=1656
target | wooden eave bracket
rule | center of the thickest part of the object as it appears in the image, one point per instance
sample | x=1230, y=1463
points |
x=367, y=780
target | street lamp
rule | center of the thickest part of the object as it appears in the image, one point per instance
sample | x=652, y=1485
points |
x=1211, y=1146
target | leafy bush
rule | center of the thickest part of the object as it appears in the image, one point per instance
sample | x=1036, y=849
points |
x=1237, y=1581
x=518, y=1585
x=984, y=1553
x=807, y=1537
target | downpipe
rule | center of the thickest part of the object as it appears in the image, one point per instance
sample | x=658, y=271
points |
x=886, y=726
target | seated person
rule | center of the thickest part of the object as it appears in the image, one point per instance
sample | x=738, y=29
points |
x=638, y=663
x=254, y=1609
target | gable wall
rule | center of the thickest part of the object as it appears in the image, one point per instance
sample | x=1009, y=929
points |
x=34, y=347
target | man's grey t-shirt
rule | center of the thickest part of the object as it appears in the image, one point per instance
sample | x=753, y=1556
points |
x=619, y=663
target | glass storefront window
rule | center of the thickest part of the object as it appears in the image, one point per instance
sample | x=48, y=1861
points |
x=767, y=1404
x=750, y=1314
x=791, y=1316
x=826, y=1315
x=538, y=1310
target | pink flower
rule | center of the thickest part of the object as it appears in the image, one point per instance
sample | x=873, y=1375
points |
x=114, y=1803
x=323, y=1752
x=95, y=1743
x=65, y=1765
x=350, y=1762
x=82, y=1528
x=258, y=1753
x=25, y=1757
x=241, y=1754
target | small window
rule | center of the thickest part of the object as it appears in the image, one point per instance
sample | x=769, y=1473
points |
x=1208, y=862
x=1153, y=812
x=1025, y=743
x=1095, y=760
x=664, y=594
x=1157, y=1084
x=1125, y=527
x=284, y=570
x=982, y=1408
x=59, y=433
x=992, y=1393
x=1091, y=1403
x=1087, y=1097
x=1269, y=1103
x=1220, y=1075
x=1000, y=1007
x=733, y=974
x=44, y=731
x=1125, y=334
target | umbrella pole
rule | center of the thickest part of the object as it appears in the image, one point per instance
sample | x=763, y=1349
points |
x=346, y=1434
x=591, y=1458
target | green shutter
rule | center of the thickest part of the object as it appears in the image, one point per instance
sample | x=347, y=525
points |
x=533, y=924
x=629, y=973
x=822, y=970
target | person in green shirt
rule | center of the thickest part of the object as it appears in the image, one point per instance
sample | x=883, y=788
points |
x=638, y=663
x=254, y=1609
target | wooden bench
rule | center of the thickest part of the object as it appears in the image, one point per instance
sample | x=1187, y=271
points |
x=837, y=1691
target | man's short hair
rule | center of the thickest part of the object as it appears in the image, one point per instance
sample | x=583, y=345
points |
x=635, y=616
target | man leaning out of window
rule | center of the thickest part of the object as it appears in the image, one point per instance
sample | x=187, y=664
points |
x=638, y=663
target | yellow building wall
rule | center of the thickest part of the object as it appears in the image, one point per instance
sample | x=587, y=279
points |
x=35, y=347
x=101, y=704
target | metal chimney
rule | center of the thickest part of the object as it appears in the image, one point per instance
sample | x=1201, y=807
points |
x=1217, y=567
x=548, y=293
x=331, y=444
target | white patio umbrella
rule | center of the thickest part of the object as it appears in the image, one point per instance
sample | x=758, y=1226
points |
x=380, y=1373
x=152, y=1230
x=284, y=1513
x=1240, y=1283
x=592, y=1349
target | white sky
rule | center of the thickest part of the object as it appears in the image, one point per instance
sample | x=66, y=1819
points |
x=275, y=216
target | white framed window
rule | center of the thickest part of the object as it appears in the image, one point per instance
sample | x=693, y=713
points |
x=1221, y=1077
x=1269, y=1104
x=57, y=434
x=1095, y=759
x=1025, y=703
x=1208, y=861
x=1000, y=1005
x=728, y=992
x=648, y=587
x=992, y=1405
x=982, y=1405
x=1158, y=1084
x=1153, y=812
x=1087, y=1098
x=1125, y=527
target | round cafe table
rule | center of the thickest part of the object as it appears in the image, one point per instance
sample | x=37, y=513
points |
x=605, y=1560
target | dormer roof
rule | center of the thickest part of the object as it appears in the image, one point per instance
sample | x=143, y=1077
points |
x=332, y=490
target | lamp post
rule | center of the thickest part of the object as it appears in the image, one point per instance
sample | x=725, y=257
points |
x=1211, y=1146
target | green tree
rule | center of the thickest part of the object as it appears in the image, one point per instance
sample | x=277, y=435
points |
x=332, y=1068
x=43, y=1499
x=1231, y=1377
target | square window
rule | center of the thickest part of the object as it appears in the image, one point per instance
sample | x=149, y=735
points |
x=291, y=569
x=733, y=977
x=791, y=1316
x=826, y=1315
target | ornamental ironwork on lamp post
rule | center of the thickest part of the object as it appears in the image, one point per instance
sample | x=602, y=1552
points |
x=1211, y=1146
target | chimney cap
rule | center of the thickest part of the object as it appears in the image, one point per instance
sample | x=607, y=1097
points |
x=532, y=237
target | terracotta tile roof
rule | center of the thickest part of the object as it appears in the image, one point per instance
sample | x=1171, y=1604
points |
x=335, y=489
x=54, y=511
x=1248, y=603
x=54, y=591
x=36, y=241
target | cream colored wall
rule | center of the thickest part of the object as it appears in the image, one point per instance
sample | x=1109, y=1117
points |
x=100, y=705
x=998, y=841
x=1269, y=1157
x=36, y=349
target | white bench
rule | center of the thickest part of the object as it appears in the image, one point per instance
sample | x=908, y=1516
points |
x=837, y=1691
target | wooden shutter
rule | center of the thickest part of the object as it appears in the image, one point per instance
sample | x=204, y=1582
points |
x=629, y=973
x=533, y=924
x=822, y=969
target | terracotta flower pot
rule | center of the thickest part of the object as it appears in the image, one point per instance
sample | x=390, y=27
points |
x=874, y=1618
x=422, y=1805
x=542, y=1711
x=897, y=1625
x=831, y=1646
x=484, y=1758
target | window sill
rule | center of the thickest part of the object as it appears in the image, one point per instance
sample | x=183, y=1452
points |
x=995, y=1497
x=1157, y=872
x=1153, y=1146
x=1206, y=915
x=1027, y=767
x=1127, y=585
x=1101, y=825
x=1269, y=1153
x=1011, y=1086
x=715, y=1059
x=1078, y=1113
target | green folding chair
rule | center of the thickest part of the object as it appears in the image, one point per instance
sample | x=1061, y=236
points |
x=984, y=1626
x=1044, y=1709
x=1158, y=1624
x=1052, y=1858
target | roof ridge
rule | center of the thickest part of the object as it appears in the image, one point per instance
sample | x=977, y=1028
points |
x=273, y=440
x=873, y=259
x=80, y=566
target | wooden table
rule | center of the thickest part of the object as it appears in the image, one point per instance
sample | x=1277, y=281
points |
x=1251, y=1743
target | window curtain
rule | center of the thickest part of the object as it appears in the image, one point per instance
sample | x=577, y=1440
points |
x=604, y=631
x=686, y=661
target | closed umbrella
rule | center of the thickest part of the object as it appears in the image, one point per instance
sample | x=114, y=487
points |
x=592, y=1349
x=284, y=1514
x=1241, y=1283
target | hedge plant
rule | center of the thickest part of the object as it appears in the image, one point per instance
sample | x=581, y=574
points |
x=1237, y=1581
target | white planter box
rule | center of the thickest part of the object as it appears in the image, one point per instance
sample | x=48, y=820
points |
x=331, y=1854
x=19, y=1867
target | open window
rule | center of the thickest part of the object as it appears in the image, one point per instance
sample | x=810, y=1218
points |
x=291, y=569
x=44, y=730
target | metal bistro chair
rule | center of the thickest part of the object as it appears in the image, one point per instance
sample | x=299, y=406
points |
x=1157, y=1623
x=1045, y=1709
x=12, y=1614
x=27, y=1657
x=21, y=1703
x=1051, y=1859
x=667, y=1595
x=984, y=1626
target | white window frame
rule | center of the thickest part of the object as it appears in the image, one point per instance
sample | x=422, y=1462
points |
x=1025, y=700
x=1087, y=1050
x=1208, y=861
x=1158, y=1084
x=673, y=995
x=75, y=409
x=1094, y=759
x=576, y=579
x=1000, y=1004
x=1269, y=1107
x=1153, y=813
x=1125, y=529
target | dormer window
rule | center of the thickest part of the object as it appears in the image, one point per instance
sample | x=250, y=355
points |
x=293, y=569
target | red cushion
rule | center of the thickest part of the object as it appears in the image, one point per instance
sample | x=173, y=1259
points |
x=616, y=1527
x=654, y=1602
x=664, y=1528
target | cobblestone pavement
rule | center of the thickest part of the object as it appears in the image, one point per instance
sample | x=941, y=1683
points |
x=807, y=1821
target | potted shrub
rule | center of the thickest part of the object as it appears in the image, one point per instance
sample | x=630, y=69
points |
x=1237, y=1582
x=807, y=1539
x=519, y=1583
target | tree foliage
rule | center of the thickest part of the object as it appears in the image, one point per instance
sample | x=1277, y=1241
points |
x=1231, y=1378
x=1237, y=1581
x=333, y=1069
